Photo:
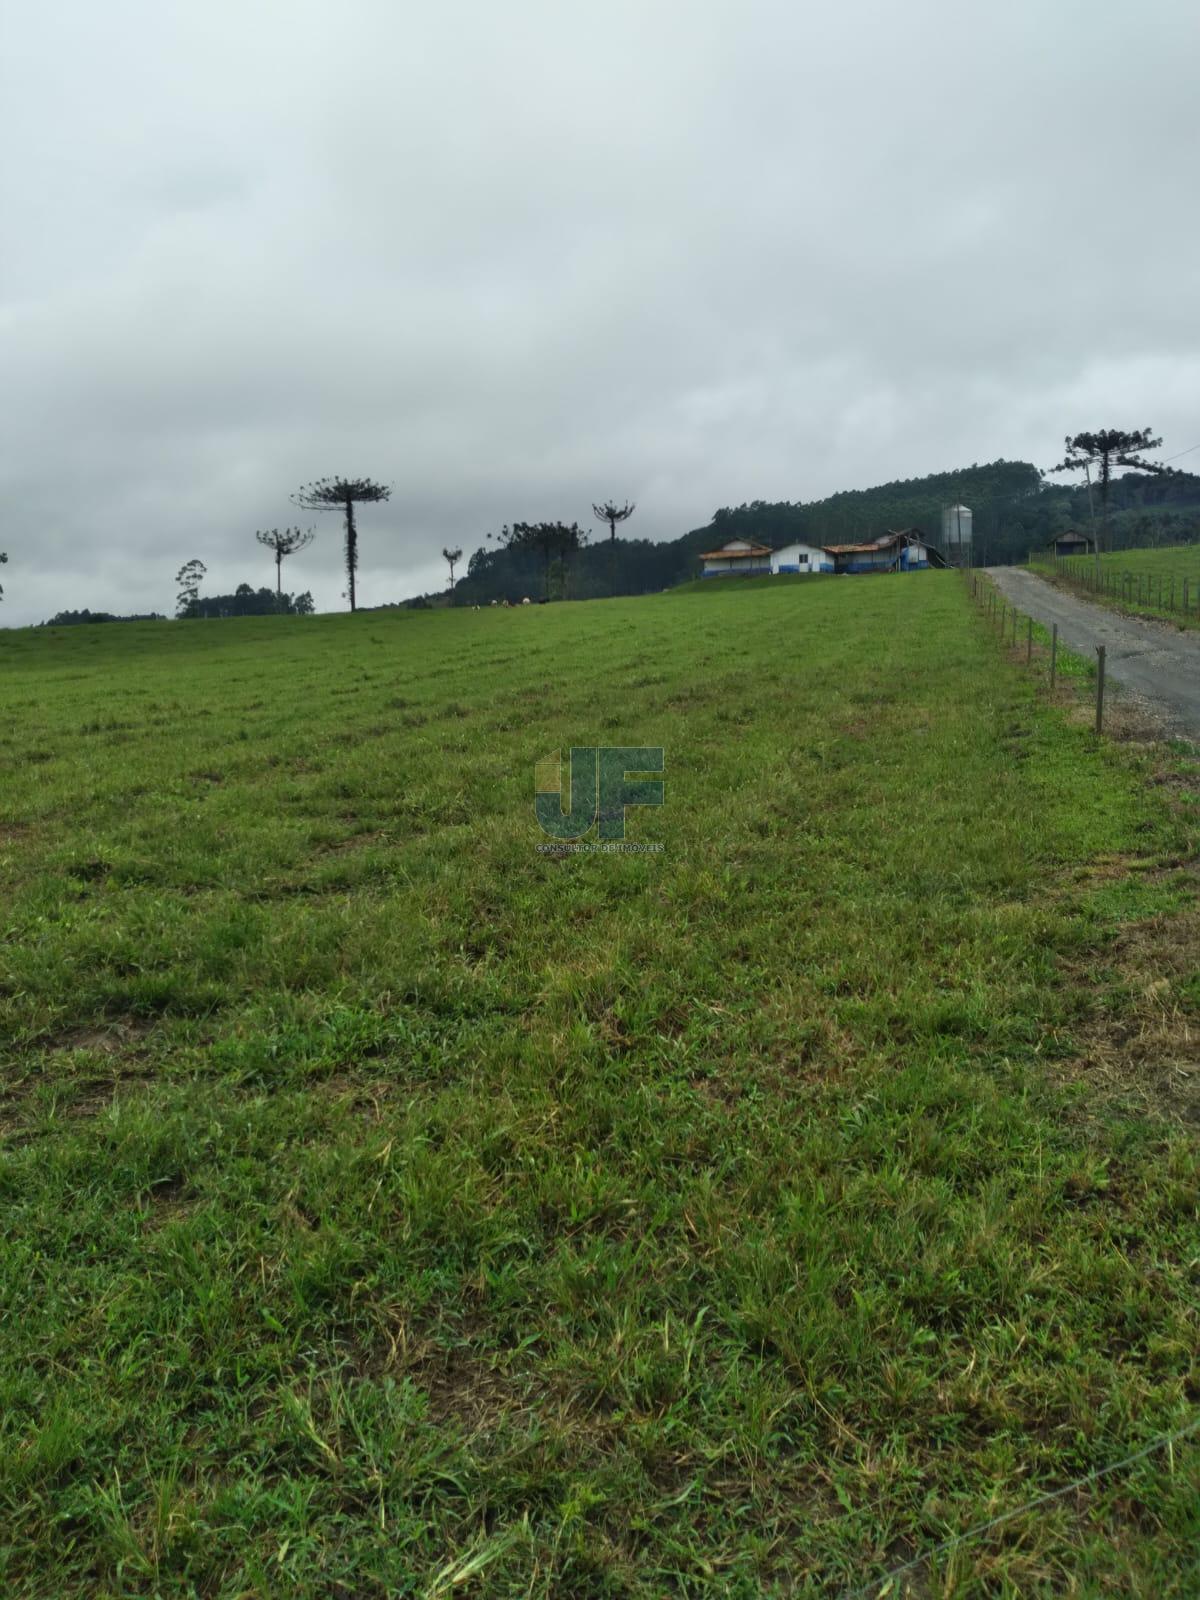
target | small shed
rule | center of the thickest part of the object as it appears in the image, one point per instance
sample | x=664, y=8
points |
x=800, y=558
x=739, y=556
x=1072, y=543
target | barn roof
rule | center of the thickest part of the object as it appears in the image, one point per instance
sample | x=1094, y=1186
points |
x=888, y=542
x=741, y=548
x=896, y=540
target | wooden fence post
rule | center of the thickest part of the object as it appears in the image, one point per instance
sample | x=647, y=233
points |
x=1029, y=643
x=1099, y=687
x=1053, y=654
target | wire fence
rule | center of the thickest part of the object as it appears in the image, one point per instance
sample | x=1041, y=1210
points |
x=885, y=1583
x=1168, y=592
x=1015, y=628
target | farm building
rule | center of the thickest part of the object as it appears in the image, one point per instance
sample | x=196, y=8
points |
x=1072, y=543
x=905, y=551
x=800, y=558
x=738, y=556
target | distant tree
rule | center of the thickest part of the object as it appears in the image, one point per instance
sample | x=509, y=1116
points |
x=567, y=539
x=246, y=602
x=453, y=557
x=612, y=513
x=285, y=543
x=3, y=559
x=553, y=541
x=189, y=578
x=1105, y=449
x=68, y=619
x=343, y=494
x=303, y=604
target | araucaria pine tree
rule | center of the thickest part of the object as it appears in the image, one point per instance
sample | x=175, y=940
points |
x=284, y=543
x=612, y=513
x=453, y=557
x=343, y=494
x=1105, y=449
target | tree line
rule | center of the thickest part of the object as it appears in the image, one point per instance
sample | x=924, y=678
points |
x=1016, y=509
x=553, y=547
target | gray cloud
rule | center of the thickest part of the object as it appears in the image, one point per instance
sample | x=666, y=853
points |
x=512, y=259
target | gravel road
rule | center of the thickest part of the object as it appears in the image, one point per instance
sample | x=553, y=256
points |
x=1156, y=662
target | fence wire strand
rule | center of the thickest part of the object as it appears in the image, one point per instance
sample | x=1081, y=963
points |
x=877, y=1587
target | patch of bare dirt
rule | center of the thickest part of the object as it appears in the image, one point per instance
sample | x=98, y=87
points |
x=357, y=841
x=167, y=1201
x=464, y=1382
x=1141, y=1038
x=108, y=1038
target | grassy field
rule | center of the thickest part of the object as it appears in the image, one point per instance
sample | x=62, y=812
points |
x=391, y=1208
x=776, y=580
x=1147, y=582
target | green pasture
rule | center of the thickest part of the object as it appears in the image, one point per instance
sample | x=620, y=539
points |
x=392, y=1208
x=1153, y=583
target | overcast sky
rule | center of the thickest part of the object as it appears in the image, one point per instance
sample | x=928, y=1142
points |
x=512, y=258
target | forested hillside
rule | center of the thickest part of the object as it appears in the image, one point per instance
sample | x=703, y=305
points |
x=1015, y=510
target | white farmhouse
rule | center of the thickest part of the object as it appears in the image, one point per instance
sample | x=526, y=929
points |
x=738, y=556
x=800, y=558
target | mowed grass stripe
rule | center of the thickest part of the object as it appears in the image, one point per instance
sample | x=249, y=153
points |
x=388, y=1204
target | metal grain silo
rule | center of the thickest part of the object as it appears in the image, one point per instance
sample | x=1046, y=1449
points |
x=956, y=534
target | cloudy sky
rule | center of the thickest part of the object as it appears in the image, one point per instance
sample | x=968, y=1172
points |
x=513, y=258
